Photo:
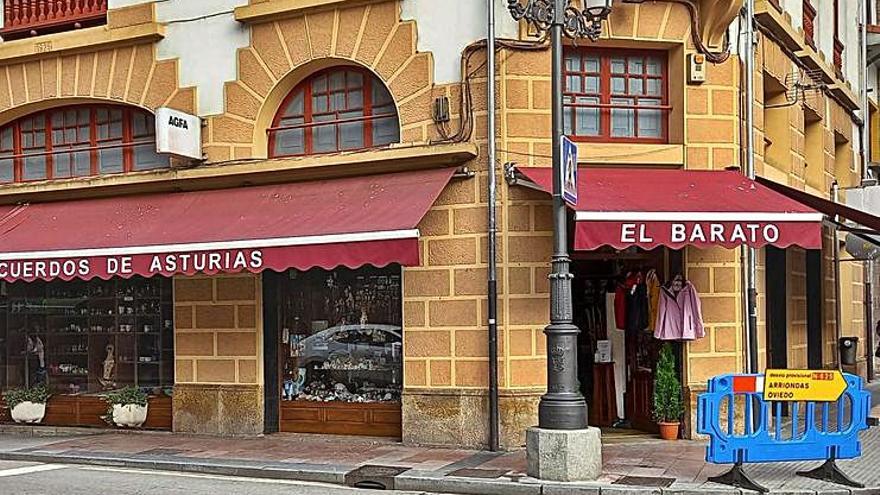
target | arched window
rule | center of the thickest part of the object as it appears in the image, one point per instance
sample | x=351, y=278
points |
x=78, y=141
x=343, y=108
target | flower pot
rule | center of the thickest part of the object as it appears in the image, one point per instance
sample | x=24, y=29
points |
x=668, y=431
x=129, y=415
x=28, y=412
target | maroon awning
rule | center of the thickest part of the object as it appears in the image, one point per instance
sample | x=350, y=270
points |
x=826, y=206
x=651, y=207
x=339, y=222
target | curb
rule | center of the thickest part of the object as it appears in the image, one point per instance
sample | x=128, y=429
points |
x=411, y=480
x=313, y=473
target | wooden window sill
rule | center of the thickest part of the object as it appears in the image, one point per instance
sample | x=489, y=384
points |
x=631, y=154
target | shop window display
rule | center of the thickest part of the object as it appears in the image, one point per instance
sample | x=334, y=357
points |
x=341, y=336
x=84, y=338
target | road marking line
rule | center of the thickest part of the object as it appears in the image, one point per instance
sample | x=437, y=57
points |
x=31, y=469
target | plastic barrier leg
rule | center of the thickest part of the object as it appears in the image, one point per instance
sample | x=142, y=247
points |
x=737, y=477
x=829, y=471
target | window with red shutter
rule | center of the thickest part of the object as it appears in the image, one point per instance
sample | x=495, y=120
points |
x=809, y=23
x=838, y=45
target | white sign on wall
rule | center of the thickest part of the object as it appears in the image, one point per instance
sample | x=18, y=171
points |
x=178, y=133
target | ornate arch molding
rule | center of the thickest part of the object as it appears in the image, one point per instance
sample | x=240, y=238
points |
x=285, y=51
x=124, y=75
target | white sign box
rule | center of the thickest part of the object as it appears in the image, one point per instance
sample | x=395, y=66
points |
x=178, y=133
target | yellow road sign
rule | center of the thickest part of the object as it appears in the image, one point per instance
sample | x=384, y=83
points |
x=803, y=385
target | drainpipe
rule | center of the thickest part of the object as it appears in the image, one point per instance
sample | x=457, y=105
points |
x=864, y=144
x=835, y=197
x=751, y=270
x=869, y=315
x=863, y=89
x=492, y=304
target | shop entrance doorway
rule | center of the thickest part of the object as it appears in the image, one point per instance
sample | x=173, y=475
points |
x=616, y=366
x=777, y=310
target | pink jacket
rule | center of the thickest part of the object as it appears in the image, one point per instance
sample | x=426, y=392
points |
x=679, y=316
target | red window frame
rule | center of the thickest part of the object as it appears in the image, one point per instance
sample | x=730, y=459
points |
x=93, y=145
x=605, y=95
x=368, y=81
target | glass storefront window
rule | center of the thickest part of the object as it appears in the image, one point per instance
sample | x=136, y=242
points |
x=87, y=337
x=341, y=335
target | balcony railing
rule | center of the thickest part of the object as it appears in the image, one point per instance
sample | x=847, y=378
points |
x=22, y=18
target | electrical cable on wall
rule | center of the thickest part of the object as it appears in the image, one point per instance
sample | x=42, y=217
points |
x=466, y=126
x=714, y=57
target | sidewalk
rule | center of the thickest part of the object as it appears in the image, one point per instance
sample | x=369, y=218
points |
x=631, y=466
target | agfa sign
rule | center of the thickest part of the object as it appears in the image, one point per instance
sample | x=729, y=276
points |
x=178, y=133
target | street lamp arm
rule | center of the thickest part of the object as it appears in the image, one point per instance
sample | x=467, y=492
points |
x=576, y=23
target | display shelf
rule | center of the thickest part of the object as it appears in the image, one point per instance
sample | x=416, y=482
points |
x=100, y=301
x=363, y=359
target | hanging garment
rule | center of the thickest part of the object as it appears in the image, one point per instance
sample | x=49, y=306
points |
x=636, y=306
x=653, y=285
x=618, y=352
x=679, y=316
x=619, y=306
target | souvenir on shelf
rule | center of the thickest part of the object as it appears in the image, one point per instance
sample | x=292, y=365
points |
x=89, y=337
x=344, y=336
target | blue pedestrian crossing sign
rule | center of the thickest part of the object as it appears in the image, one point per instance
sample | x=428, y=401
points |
x=569, y=171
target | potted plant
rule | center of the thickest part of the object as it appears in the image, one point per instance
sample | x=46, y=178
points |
x=127, y=407
x=27, y=405
x=668, y=406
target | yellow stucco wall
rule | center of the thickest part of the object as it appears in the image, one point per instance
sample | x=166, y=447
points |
x=445, y=374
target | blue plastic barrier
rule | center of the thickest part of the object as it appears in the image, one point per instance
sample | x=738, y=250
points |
x=743, y=428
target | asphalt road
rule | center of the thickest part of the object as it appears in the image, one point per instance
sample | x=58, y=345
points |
x=23, y=478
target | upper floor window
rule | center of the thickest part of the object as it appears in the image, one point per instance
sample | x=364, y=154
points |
x=616, y=95
x=339, y=109
x=23, y=18
x=78, y=141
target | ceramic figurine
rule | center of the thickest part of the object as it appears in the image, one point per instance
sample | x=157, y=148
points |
x=109, y=368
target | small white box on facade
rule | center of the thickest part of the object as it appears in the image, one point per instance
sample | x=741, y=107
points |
x=178, y=133
x=696, y=68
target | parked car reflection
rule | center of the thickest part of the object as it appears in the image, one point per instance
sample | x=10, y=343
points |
x=369, y=343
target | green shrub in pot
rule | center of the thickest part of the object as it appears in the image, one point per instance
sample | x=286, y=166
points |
x=127, y=407
x=668, y=404
x=27, y=405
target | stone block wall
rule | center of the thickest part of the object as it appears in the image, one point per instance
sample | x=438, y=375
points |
x=820, y=141
x=218, y=355
x=716, y=274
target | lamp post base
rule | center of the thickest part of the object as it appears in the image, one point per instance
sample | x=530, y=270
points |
x=564, y=455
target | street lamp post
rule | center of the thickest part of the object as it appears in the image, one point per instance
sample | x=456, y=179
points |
x=562, y=447
x=563, y=406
